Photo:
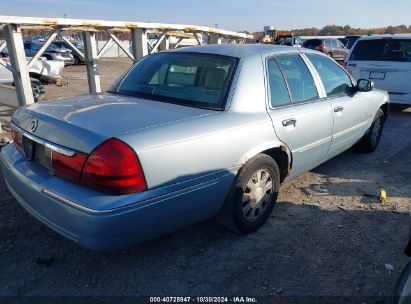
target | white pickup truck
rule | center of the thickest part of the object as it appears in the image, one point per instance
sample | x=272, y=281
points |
x=42, y=71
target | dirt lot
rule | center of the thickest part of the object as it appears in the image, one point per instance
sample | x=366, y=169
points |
x=324, y=237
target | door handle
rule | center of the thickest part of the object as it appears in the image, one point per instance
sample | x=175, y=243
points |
x=289, y=122
x=338, y=109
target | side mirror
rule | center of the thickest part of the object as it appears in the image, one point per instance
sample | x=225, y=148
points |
x=365, y=85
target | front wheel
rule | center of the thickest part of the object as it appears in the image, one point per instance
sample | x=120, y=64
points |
x=38, y=89
x=372, y=138
x=253, y=195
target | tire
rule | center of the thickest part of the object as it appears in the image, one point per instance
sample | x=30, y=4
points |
x=38, y=89
x=77, y=60
x=372, y=138
x=252, y=196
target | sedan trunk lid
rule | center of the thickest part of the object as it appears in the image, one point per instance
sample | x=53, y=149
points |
x=83, y=122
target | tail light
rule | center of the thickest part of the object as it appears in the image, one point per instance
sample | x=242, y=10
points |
x=68, y=167
x=114, y=167
x=320, y=47
x=16, y=136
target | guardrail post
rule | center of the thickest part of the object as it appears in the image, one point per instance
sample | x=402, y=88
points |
x=139, y=44
x=93, y=73
x=165, y=44
x=14, y=40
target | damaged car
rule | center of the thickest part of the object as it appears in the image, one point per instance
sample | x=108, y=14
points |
x=52, y=52
x=41, y=72
x=187, y=135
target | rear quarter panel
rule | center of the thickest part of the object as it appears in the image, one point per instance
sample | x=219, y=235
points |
x=189, y=149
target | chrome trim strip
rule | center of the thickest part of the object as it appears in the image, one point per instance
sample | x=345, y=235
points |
x=339, y=134
x=313, y=145
x=73, y=204
x=47, y=144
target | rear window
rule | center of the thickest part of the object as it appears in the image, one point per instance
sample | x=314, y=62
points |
x=312, y=43
x=382, y=50
x=191, y=79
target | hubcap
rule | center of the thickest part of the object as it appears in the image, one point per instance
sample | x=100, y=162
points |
x=257, y=194
x=36, y=90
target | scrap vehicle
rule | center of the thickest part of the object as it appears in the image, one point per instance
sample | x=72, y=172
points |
x=41, y=72
x=52, y=52
x=64, y=45
x=330, y=46
x=386, y=60
x=186, y=135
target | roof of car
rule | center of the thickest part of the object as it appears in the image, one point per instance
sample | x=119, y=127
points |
x=235, y=50
x=393, y=36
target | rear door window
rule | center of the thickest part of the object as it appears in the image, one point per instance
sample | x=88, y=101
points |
x=276, y=84
x=335, y=80
x=382, y=50
x=298, y=77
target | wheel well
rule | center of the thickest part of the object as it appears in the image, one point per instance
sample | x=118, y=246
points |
x=385, y=108
x=281, y=158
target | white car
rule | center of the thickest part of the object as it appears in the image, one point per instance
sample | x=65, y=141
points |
x=386, y=60
x=42, y=71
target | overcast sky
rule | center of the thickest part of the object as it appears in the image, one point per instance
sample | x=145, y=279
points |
x=249, y=15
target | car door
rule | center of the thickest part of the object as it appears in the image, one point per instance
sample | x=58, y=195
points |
x=349, y=108
x=301, y=119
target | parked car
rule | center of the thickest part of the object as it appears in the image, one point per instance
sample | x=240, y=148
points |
x=330, y=46
x=386, y=60
x=344, y=41
x=402, y=289
x=186, y=135
x=77, y=60
x=41, y=72
x=51, y=53
x=351, y=39
x=294, y=41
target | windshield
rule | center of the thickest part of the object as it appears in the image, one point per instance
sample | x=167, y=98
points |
x=190, y=79
x=383, y=50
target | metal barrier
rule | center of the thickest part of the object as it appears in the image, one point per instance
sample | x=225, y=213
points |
x=140, y=44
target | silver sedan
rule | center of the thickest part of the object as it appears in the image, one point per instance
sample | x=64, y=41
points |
x=184, y=136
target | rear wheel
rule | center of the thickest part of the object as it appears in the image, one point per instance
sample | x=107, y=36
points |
x=38, y=89
x=371, y=140
x=253, y=195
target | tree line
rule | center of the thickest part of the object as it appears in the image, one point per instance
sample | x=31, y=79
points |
x=337, y=30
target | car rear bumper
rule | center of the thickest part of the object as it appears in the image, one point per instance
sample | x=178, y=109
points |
x=118, y=225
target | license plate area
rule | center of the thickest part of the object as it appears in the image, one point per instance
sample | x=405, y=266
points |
x=42, y=155
x=37, y=152
x=28, y=147
x=377, y=75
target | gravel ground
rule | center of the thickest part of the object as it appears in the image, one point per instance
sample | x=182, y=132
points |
x=324, y=238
